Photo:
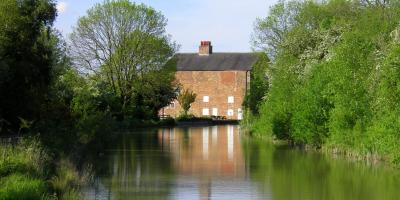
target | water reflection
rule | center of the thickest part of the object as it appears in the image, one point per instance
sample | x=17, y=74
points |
x=136, y=169
x=286, y=174
x=218, y=163
x=196, y=152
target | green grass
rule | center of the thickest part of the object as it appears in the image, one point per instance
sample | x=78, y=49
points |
x=22, y=171
x=19, y=187
x=25, y=173
x=27, y=157
x=67, y=180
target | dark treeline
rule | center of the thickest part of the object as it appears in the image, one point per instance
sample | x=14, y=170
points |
x=333, y=79
x=66, y=97
x=117, y=63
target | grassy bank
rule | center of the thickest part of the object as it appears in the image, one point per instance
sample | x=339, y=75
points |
x=348, y=152
x=29, y=171
x=56, y=163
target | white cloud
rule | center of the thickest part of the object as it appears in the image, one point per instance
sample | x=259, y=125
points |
x=62, y=7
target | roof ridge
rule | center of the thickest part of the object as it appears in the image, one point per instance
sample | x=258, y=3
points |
x=216, y=62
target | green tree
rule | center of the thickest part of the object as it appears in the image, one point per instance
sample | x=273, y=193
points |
x=125, y=46
x=270, y=32
x=27, y=57
x=333, y=80
x=185, y=99
x=259, y=83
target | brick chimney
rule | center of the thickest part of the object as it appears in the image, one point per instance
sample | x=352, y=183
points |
x=205, y=48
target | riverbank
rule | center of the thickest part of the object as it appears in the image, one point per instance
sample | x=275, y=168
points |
x=29, y=171
x=52, y=160
x=249, y=126
x=350, y=154
x=171, y=122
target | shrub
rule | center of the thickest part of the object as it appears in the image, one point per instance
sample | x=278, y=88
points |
x=185, y=99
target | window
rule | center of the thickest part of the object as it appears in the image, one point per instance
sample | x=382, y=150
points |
x=231, y=99
x=206, y=98
x=206, y=111
x=230, y=112
x=215, y=111
x=172, y=105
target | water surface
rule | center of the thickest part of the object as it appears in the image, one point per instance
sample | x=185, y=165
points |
x=218, y=162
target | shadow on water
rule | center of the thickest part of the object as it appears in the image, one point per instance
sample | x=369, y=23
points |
x=218, y=163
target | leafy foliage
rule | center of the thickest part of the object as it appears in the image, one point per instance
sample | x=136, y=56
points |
x=124, y=47
x=185, y=98
x=259, y=84
x=27, y=57
x=333, y=77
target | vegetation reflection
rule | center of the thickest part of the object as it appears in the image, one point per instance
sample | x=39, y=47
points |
x=284, y=173
x=136, y=168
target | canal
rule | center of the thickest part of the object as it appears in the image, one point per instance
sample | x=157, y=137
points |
x=218, y=162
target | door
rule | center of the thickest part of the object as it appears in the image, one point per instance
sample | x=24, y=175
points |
x=215, y=111
x=240, y=114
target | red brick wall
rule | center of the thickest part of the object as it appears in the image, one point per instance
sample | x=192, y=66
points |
x=218, y=85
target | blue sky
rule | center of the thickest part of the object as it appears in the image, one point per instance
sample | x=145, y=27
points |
x=227, y=23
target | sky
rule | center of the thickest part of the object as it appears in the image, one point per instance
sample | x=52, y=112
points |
x=228, y=24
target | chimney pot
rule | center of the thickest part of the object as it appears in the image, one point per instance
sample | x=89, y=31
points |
x=205, y=48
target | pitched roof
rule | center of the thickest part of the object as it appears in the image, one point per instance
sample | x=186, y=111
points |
x=216, y=62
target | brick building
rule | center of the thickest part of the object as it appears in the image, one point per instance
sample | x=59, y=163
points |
x=220, y=81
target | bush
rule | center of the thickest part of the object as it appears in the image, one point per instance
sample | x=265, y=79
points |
x=190, y=117
x=169, y=121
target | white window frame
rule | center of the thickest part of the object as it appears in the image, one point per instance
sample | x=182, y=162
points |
x=206, y=112
x=215, y=111
x=230, y=113
x=206, y=99
x=231, y=99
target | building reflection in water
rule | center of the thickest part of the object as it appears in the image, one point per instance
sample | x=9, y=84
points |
x=195, y=152
x=209, y=156
x=174, y=163
x=209, y=163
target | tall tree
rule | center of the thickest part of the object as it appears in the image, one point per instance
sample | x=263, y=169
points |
x=26, y=57
x=270, y=32
x=259, y=83
x=125, y=45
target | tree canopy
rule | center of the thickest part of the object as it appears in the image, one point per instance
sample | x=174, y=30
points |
x=185, y=98
x=259, y=83
x=124, y=45
x=27, y=57
x=332, y=79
